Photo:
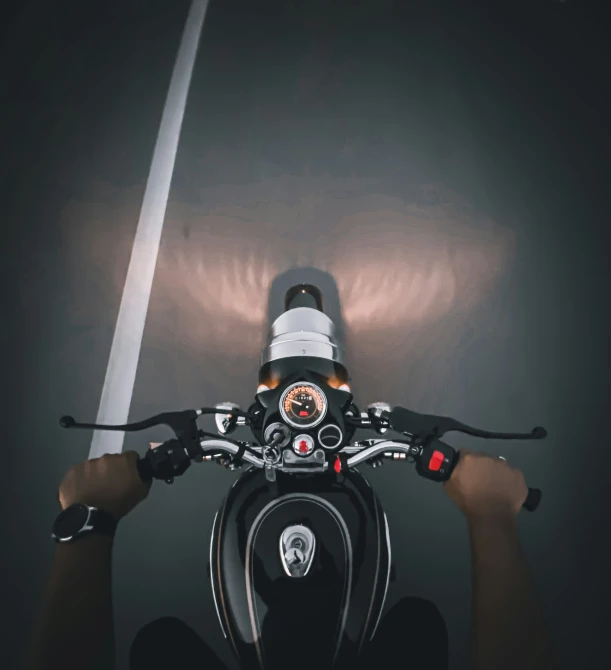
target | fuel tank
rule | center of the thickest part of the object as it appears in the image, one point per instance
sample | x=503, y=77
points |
x=299, y=569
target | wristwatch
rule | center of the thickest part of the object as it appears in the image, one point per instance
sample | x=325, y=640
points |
x=78, y=520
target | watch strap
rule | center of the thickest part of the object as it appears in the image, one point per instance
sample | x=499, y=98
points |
x=102, y=522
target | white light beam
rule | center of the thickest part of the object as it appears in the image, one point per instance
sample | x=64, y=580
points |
x=127, y=341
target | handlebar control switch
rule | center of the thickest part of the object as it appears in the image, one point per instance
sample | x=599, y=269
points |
x=437, y=461
x=166, y=461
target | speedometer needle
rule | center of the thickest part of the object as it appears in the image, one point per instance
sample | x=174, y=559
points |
x=297, y=403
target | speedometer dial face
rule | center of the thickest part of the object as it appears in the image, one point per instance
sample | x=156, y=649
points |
x=303, y=405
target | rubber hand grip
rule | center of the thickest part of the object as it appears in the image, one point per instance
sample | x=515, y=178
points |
x=532, y=499
x=144, y=470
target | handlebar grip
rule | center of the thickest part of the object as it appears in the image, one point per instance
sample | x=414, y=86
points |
x=438, y=461
x=144, y=470
x=532, y=499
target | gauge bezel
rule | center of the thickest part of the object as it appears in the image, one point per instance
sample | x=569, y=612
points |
x=323, y=413
x=338, y=429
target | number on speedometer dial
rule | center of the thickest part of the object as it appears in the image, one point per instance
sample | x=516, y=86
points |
x=303, y=405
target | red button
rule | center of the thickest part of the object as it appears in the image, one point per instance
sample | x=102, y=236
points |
x=436, y=460
x=303, y=447
x=338, y=465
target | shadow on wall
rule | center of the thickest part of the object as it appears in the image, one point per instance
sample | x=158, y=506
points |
x=416, y=281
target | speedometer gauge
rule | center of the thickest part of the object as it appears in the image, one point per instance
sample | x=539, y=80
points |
x=303, y=405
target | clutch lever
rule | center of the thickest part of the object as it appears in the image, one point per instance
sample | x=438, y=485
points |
x=182, y=423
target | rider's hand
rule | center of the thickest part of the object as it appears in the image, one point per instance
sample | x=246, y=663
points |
x=110, y=483
x=483, y=486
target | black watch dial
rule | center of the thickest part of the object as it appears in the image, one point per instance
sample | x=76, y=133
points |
x=70, y=521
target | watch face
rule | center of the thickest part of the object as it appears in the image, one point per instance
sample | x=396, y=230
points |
x=70, y=521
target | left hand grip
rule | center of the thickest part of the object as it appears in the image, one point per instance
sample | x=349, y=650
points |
x=144, y=470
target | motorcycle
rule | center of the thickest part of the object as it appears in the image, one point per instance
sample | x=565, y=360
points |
x=300, y=554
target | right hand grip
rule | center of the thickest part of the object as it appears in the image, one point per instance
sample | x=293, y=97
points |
x=438, y=460
x=532, y=499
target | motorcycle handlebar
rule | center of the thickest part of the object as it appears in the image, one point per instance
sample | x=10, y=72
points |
x=436, y=461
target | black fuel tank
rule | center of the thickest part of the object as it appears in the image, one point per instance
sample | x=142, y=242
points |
x=321, y=620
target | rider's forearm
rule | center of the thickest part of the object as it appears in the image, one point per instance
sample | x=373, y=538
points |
x=509, y=631
x=74, y=629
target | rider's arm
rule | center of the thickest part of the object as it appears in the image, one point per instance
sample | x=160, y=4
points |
x=509, y=631
x=74, y=628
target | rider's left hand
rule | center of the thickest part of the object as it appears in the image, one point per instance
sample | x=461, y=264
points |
x=110, y=483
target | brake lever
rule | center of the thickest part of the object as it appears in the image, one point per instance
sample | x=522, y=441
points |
x=425, y=427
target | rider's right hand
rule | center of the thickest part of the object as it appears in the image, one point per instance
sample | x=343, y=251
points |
x=486, y=486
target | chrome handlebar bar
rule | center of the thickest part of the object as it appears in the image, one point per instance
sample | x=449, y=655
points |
x=380, y=449
x=360, y=453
